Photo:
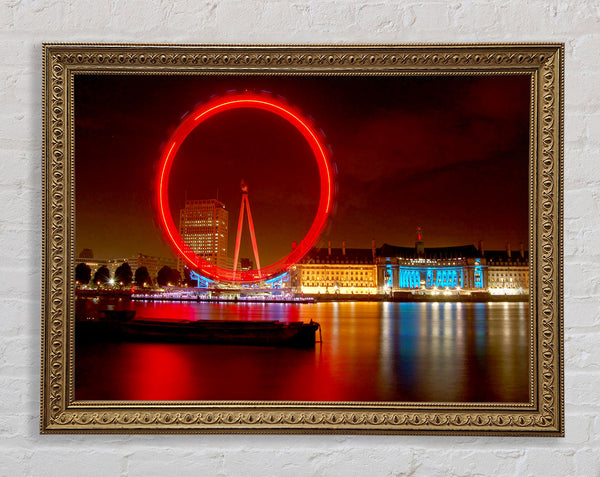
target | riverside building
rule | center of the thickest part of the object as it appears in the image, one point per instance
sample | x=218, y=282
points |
x=461, y=269
x=440, y=268
x=336, y=271
x=508, y=271
x=204, y=225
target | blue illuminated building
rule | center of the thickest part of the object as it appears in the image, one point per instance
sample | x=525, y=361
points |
x=419, y=268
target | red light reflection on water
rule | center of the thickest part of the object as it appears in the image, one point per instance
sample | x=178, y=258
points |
x=155, y=372
x=461, y=352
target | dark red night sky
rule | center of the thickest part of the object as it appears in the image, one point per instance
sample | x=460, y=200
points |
x=448, y=154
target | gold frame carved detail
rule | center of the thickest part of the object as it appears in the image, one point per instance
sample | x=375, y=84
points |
x=543, y=415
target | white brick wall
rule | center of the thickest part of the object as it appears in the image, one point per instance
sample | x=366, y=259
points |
x=27, y=23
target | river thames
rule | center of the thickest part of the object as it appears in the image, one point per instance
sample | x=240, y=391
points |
x=370, y=352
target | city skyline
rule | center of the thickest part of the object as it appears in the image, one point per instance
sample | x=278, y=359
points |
x=449, y=155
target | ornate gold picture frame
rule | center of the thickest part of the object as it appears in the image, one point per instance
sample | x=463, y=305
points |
x=504, y=308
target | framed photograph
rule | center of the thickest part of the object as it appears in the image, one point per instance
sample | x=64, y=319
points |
x=301, y=239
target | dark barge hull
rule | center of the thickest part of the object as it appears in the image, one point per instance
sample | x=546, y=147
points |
x=250, y=333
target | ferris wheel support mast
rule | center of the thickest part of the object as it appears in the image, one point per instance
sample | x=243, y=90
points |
x=245, y=203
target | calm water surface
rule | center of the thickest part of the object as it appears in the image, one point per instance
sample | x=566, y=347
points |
x=371, y=351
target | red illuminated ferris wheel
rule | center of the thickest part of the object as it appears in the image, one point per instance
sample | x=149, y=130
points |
x=326, y=175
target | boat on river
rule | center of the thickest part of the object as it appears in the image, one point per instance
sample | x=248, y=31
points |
x=122, y=325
